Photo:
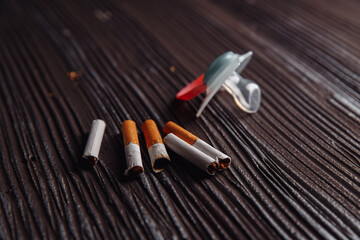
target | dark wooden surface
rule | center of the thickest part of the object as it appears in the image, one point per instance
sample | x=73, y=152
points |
x=295, y=171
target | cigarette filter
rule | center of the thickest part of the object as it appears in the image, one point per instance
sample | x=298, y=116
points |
x=191, y=153
x=156, y=148
x=93, y=144
x=132, y=148
x=222, y=159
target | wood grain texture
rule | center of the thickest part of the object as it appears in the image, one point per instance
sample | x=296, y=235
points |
x=295, y=172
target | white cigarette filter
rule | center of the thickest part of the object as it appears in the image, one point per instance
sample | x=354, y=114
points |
x=132, y=148
x=191, y=153
x=156, y=148
x=222, y=159
x=93, y=144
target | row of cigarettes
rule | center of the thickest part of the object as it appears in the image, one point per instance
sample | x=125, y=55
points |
x=177, y=139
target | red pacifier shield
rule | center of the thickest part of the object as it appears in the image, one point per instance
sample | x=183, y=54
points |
x=192, y=89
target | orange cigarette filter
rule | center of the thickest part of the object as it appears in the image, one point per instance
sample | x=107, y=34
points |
x=171, y=127
x=130, y=135
x=151, y=133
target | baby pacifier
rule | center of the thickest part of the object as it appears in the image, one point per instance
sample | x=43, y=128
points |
x=224, y=73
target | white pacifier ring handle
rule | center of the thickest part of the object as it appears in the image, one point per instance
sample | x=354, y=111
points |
x=225, y=72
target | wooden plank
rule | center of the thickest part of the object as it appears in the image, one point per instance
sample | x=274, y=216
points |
x=295, y=170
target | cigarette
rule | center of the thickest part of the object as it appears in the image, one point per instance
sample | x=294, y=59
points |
x=222, y=159
x=132, y=148
x=156, y=148
x=191, y=153
x=93, y=144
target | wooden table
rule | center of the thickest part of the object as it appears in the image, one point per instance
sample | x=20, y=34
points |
x=295, y=170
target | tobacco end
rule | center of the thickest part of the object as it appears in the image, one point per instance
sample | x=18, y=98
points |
x=224, y=163
x=211, y=169
x=135, y=170
x=160, y=164
x=88, y=161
